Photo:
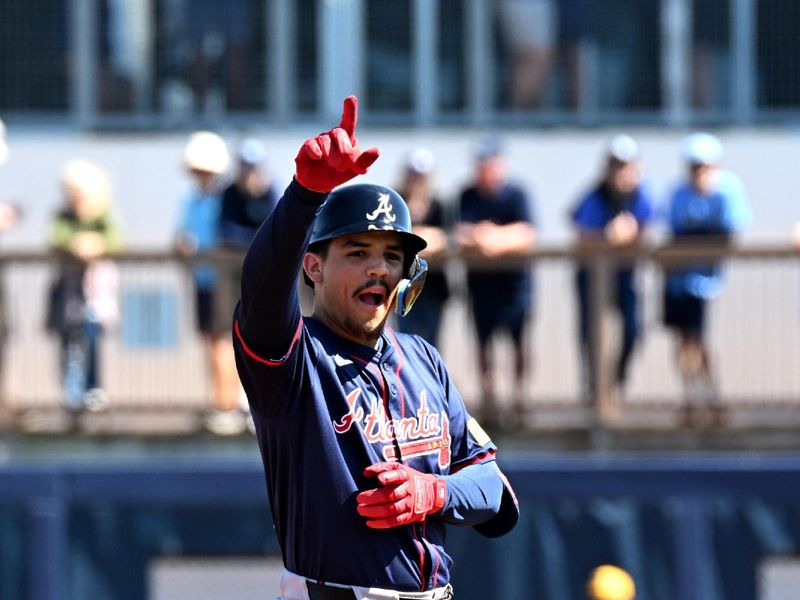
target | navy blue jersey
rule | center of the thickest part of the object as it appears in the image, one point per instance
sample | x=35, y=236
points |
x=325, y=408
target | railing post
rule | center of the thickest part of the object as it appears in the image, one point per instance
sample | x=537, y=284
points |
x=602, y=399
x=744, y=27
x=279, y=27
x=675, y=55
x=228, y=265
x=479, y=46
x=83, y=78
x=426, y=62
x=341, y=66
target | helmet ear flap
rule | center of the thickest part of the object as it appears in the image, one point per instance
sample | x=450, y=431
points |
x=413, y=268
x=409, y=288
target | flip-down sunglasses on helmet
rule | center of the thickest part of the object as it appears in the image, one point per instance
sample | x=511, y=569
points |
x=408, y=290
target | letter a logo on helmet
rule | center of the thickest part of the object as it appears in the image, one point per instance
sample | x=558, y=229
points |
x=385, y=209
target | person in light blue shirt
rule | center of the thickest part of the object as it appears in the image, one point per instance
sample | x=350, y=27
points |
x=711, y=205
x=199, y=232
x=206, y=159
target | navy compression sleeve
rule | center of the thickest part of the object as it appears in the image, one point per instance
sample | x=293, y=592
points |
x=269, y=310
x=474, y=495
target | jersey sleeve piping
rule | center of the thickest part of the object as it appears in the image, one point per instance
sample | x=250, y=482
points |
x=267, y=361
x=421, y=550
x=480, y=458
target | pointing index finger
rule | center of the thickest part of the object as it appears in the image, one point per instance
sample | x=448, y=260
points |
x=350, y=117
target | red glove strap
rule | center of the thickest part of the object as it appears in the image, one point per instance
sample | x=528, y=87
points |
x=430, y=494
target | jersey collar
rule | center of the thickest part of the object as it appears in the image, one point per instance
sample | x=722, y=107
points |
x=345, y=346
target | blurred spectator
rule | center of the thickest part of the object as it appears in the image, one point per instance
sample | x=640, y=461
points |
x=629, y=50
x=495, y=222
x=528, y=27
x=249, y=199
x=3, y=144
x=206, y=159
x=206, y=46
x=83, y=298
x=709, y=206
x=428, y=220
x=122, y=41
x=710, y=41
x=218, y=33
x=608, y=582
x=576, y=33
x=246, y=203
x=9, y=215
x=615, y=212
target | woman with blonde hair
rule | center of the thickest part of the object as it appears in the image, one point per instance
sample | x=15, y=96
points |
x=83, y=298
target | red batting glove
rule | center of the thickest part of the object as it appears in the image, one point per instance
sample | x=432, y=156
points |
x=332, y=158
x=405, y=496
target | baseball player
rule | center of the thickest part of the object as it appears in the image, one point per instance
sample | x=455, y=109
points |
x=368, y=450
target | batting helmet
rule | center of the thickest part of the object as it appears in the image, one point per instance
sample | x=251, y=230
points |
x=366, y=207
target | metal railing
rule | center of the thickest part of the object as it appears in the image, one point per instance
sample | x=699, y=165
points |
x=156, y=372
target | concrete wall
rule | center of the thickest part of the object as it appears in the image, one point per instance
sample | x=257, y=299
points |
x=554, y=165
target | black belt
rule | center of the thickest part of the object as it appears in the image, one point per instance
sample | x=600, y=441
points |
x=320, y=591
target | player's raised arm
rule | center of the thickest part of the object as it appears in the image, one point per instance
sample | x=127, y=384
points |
x=269, y=311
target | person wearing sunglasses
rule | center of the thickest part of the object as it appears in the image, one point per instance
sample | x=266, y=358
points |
x=367, y=447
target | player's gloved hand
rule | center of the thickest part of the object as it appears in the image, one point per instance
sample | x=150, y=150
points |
x=332, y=158
x=405, y=496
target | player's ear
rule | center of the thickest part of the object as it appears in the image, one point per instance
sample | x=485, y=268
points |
x=312, y=265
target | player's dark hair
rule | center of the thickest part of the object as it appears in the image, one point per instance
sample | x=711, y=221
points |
x=320, y=248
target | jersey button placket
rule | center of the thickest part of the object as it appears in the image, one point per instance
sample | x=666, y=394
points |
x=391, y=403
x=389, y=378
